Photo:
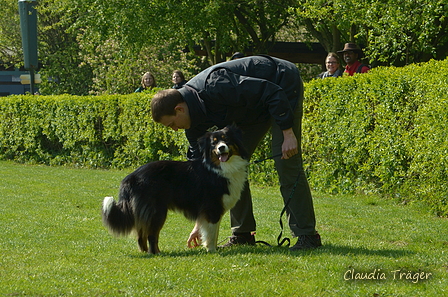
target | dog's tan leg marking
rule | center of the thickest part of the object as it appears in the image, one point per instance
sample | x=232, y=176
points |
x=155, y=225
x=142, y=241
x=154, y=244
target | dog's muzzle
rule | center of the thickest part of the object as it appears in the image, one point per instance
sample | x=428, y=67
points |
x=222, y=151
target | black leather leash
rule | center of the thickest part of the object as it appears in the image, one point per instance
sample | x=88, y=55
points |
x=280, y=241
x=262, y=160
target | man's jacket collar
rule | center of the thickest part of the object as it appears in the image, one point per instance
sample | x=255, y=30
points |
x=195, y=104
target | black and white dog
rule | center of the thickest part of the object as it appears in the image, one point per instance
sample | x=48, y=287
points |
x=202, y=189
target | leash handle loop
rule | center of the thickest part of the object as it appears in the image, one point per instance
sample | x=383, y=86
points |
x=286, y=239
x=262, y=160
x=280, y=243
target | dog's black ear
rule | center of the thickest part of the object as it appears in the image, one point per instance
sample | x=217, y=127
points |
x=237, y=136
x=237, y=132
x=204, y=143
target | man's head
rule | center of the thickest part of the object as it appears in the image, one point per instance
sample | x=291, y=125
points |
x=350, y=57
x=351, y=53
x=169, y=108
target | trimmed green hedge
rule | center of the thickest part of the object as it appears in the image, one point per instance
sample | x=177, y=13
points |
x=383, y=132
x=110, y=131
x=91, y=131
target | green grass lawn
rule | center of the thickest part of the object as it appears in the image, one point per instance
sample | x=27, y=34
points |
x=53, y=243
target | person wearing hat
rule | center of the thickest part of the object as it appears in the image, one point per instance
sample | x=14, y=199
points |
x=351, y=55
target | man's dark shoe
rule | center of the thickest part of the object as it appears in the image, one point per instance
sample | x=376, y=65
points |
x=239, y=239
x=305, y=242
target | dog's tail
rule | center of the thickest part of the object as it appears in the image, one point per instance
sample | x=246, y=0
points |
x=118, y=217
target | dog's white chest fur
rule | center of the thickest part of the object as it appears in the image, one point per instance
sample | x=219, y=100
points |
x=235, y=170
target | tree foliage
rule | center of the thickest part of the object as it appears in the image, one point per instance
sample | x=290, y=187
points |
x=10, y=39
x=60, y=51
x=393, y=32
x=104, y=46
x=404, y=32
x=219, y=26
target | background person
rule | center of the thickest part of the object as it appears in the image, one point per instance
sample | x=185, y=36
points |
x=333, y=64
x=178, y=79
x=148, y=82
x=258, y=94
x=351, y=55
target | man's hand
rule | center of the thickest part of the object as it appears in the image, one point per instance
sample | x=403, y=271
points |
x=195, y=237
x=289, y=146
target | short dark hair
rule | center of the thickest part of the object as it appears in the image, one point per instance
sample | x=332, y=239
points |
x=164, y=102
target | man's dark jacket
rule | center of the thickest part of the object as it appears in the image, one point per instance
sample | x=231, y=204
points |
x=244, y=91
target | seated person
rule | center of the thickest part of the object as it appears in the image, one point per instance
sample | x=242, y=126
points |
x=148, y=82
x=178, y=79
